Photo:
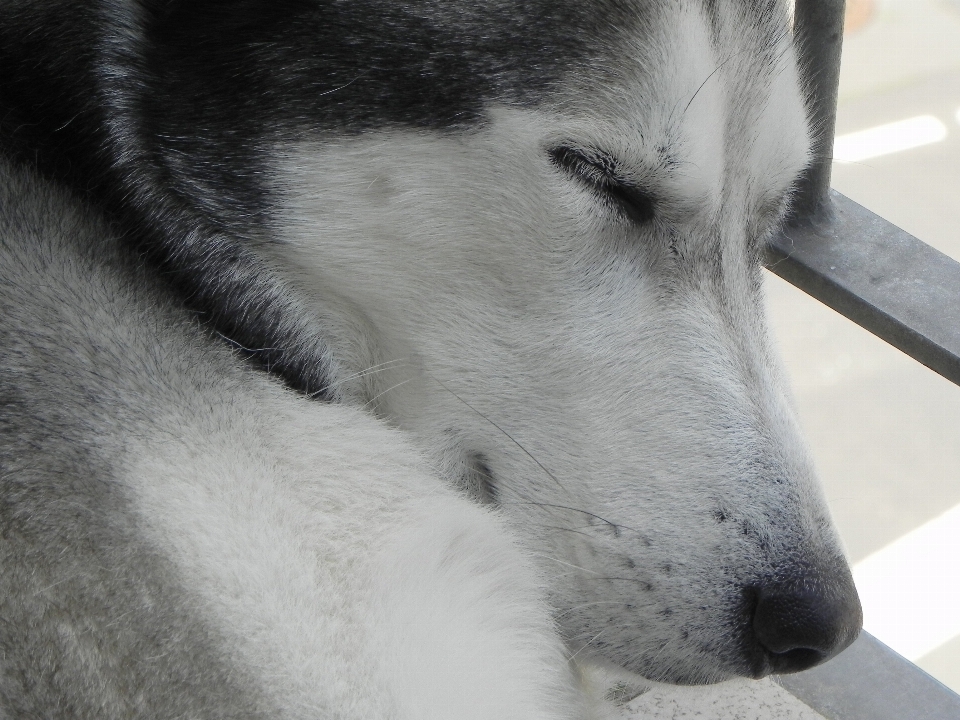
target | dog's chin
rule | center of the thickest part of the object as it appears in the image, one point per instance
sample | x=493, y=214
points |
x=621, y=681
x=706, y=675
x=605, y=680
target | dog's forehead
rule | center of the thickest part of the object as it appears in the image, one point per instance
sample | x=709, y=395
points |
x=343, y=65
x=347, y=66
x=699, y=95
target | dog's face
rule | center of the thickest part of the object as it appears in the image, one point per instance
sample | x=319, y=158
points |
x=563, y=303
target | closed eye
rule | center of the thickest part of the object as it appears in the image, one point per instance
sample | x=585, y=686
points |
x=599, y=172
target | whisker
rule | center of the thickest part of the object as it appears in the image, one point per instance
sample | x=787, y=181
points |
x=252, y=351
x=703, y=84
x=381, y=394
x=345, y=85
x=506, y=488
x=563, y=529
x=505, y=433
x=373, y=369
x=563, y=562
x=585, y=605
x=614, y=525
x=586, y=644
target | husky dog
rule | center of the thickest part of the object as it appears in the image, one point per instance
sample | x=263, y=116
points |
x=370, y=359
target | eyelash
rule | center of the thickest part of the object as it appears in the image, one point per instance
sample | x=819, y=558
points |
x=601, y=175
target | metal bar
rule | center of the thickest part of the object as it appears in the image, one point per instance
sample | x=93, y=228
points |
x=879, y=276
x=869, y=681
x=898, y=288
x=819, y=31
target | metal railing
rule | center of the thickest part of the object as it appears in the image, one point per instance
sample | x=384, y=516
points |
x=901, y=290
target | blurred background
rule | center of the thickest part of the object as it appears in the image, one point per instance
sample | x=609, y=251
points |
x=884, y=429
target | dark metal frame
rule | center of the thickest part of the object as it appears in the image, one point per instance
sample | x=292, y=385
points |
x=898, y=288
x=850, y=259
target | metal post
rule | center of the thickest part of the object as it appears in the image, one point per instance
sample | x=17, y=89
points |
x=819, y=32
x=845, y=256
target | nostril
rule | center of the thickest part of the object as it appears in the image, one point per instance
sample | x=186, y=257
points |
x=796, y=660
x=800, y=627
x=784, y=623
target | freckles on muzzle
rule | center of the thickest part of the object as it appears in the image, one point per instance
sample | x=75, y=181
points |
x=795, y=608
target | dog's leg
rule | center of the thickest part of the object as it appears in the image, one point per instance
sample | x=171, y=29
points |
x=462, y=629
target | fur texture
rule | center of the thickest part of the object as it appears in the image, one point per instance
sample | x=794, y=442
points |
x=369, y=360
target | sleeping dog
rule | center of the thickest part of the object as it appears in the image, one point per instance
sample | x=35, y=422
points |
x=365, y=359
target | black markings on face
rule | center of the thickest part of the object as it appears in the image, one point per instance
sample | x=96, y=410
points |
x=425, y=63
x=479, y=480
x=602, y=174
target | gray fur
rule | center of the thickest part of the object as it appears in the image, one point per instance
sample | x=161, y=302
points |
x=491, y=264
x=93, y=622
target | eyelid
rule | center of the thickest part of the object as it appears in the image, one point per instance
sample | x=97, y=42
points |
x=601, y=172
x=637, y=203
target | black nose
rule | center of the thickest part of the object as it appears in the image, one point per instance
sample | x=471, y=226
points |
x=806, y=621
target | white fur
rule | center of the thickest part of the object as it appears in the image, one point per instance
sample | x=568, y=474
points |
x=508, y=312
x=368, y=589
x=483, y=302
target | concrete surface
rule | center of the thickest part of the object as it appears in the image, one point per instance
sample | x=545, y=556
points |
x=737, y=700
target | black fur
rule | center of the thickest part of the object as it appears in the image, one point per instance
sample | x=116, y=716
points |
x=158, y=111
